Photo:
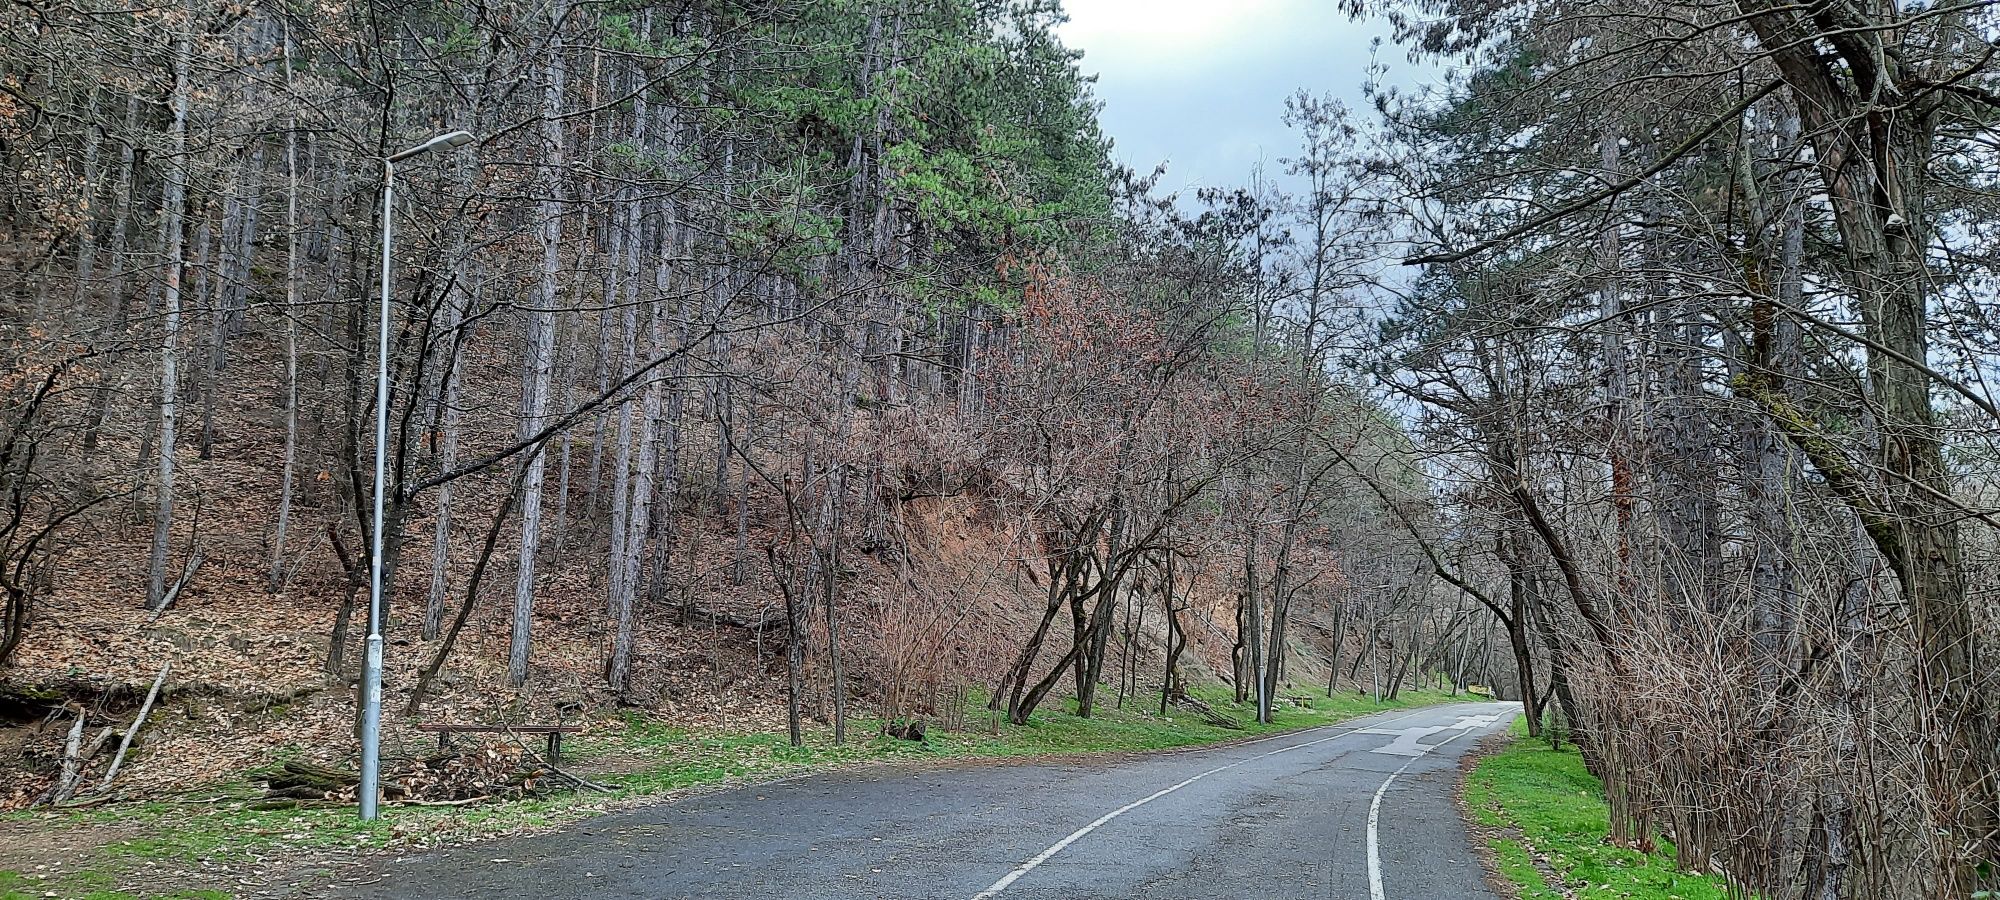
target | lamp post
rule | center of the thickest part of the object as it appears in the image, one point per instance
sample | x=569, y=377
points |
x=371, y=670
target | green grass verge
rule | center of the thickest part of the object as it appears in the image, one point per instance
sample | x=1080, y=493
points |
x=642, y=758
x=1547, y=799
x=92, y=885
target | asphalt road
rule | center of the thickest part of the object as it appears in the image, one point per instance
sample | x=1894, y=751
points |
x=1293, y=816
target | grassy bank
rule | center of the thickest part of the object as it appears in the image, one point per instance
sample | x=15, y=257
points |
x=1542, y=804
x=211, y=838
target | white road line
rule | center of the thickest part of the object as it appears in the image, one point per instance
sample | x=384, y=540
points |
x=1035, y=861
x=1375, y=816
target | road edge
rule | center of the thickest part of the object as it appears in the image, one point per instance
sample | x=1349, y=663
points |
x=1484, y=835
x=302, y=879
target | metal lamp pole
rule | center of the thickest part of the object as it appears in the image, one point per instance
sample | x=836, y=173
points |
x=371, y=671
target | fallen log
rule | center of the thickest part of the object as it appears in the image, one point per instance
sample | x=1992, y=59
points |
x=71, y=747
x=75, y=759
x=1207, y=713
x=293, y=803
x=306, y=772
x=295, y=792
x=693, y=613
x=125, y=744
x=465, y=801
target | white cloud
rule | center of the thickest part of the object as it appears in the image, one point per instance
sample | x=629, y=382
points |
x=1202, y=82
x=1173, y=32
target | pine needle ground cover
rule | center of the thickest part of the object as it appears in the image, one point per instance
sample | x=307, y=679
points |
x=1547, y=824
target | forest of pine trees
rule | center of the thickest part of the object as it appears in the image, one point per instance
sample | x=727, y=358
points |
x=718, y=299
x=1639, y=368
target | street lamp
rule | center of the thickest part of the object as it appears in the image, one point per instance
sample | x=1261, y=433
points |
x=371, y=670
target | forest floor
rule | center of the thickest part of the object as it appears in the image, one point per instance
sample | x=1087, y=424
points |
x=1548, y=830
x=209, y=843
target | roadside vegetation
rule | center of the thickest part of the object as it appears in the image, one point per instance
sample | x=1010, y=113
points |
x=1546, y=819
x=214, y=836
x=1635, y=357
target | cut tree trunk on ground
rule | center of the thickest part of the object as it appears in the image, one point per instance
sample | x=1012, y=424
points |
x=1207, y=713
x=125, y=744
x=694, y=613
x=76, y=758
x=303, y=779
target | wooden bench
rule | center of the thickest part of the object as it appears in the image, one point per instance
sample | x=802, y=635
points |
x=553, y=732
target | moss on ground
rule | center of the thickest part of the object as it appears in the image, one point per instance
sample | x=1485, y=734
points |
x=647, y=759
x=1543, y=803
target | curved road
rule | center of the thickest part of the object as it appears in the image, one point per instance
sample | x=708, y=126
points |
x=1357, y=810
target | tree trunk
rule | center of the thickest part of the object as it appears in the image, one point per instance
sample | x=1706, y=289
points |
x=639, y=520
x=1281, y=590
x=830, y=591
x=175, y=204
x=1253, y=624
x=121, y=285
x=1521, y=605
x=541, y=347
x=1339, y=641
x=621, y=452
x=239, y=236
x=795, y=648
x=1063, y=578
x=1874, y=165
x=457, y=304
x=277, y=573
x=86, y=242
x=472, y=582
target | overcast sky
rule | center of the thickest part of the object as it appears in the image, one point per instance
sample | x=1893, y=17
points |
x=1201, y=84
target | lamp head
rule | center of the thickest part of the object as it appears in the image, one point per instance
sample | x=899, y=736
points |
x=442, y=141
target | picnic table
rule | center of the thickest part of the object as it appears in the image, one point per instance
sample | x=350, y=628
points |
x=553, y=734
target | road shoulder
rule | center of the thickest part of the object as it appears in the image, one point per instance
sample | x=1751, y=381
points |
x=1544, y=827
x=1491, y=834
